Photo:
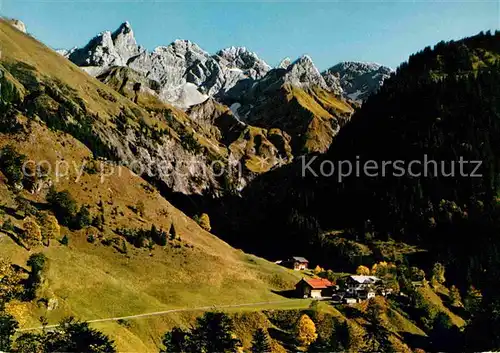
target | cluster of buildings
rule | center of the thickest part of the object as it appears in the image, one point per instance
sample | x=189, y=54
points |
x=352, y=289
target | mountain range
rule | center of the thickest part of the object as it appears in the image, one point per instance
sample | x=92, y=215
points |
x=187, y=75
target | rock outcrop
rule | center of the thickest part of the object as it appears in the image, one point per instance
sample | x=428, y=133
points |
x=19, y=25
x=284, y=63
x=358, y=80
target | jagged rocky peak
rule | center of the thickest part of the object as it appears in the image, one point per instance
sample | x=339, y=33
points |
x=124, y=41
x=332, y=80
x=303, y=73
x=108, y=49
x=240, y=58
x=183, y=47
x=361, y=67
x=285, y=63
x=18, y=24
x=359, y=79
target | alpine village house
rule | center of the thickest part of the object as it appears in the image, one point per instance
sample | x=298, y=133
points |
x=296, y=263
x=353, y=289
x=314, y=288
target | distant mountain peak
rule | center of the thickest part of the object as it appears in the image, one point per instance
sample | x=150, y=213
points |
x=233, y=51
x=185, y=46
x=243, y=59
x=107, y=49
x=125, y=28
x=357, y=79
x=126, y=24
x=285, y=63
x=303, y=73
x=305, y=59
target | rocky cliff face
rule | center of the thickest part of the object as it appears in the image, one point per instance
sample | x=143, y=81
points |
x=187, y=74
x=302, y=73
x=106, y=50
x=358, y=80
x=284, y=63
x=238, y=59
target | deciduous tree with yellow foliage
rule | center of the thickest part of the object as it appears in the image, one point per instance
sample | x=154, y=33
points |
x=32, y=232
x=10, y=282
x=50, y=228
x=363, y=270
x=306, y=330
x=204, y=222
x=318, y=270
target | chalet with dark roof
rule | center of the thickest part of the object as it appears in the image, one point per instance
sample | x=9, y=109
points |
x=296, y=263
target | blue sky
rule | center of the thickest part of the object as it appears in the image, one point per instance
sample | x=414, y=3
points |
x=381, y=31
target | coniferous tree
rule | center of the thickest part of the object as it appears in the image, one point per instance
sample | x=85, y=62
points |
x=260, y=342
x=8, y=226
x=63, y=205
x=173, y=233
x=38, y=264
x=320, y=345
x=65, y=240
x=177, y=340
x=82, y=218
x=75, y=336
x=8, y=327
x=213, y=332
x=29, y=342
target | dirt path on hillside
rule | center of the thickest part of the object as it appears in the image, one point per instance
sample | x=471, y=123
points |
x=164, y=312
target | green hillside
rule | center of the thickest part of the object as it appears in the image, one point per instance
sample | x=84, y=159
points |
x=93, y=280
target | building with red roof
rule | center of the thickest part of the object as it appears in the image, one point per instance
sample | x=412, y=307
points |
x=314, y=288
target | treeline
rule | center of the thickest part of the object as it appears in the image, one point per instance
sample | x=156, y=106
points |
x=148, y=237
